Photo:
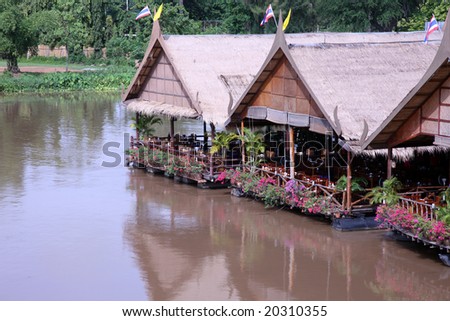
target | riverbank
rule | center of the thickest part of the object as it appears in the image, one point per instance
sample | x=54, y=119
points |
x=103, y=79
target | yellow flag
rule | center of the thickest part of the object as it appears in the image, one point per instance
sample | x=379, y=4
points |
x=158, y=13
x=288, y=18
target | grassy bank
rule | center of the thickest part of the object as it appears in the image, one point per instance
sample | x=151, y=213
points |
x=85, y=78
x=105, y=79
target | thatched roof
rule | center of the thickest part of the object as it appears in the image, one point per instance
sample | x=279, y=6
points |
x=159, y=108
x=433, y=78
x=404, y=154
x=364, y=75
x=358, y=77
x=214, y=70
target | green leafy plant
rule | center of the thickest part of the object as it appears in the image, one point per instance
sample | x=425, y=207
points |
x=145, y=124
x=443, y=212
x=387, y=194
x=254, y=146
x=357, y=184
x=222, y=142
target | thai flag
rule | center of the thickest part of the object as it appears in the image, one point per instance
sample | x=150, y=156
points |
x=432, y=26
x=267, y=16
x=144, y=13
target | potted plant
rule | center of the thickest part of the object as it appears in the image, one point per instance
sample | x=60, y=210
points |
x=386, y=194
x=144, y=125
x=254, y=146
x=222, y=142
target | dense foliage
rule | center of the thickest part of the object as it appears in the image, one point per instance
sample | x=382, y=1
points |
x=111, y=24
x=16, y=34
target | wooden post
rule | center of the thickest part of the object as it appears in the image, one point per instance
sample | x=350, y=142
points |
x=172, y=132
x=242, y=143
x=389, y=163
x=349, y=183
x=205, y=138
x=211, y=159
x=137, y=128
x=291, y=152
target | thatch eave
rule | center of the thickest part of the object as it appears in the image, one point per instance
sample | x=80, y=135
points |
x=158, y=108
x=403, y=154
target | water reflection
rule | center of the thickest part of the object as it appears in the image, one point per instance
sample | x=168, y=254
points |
x=58, y=131
x=64, y=220
x=203, y=244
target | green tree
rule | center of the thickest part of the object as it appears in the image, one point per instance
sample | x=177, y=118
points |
x=175, y=20
x=417, y=20
x=98, y=26
x=363, y=16
x=16, y=34
x=359, y=16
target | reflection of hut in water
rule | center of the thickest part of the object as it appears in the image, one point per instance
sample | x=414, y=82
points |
x=396, y=278
x=225, y=247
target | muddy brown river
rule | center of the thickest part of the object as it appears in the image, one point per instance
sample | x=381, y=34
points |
x=75, y=226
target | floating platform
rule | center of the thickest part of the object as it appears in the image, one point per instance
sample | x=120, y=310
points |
x=212, y=185
x=155, y=170
x=355, y=223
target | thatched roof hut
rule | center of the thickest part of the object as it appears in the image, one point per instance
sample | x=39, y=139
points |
x=422, y=118
x=195, y=75
x=323, y=81
x=345, y=79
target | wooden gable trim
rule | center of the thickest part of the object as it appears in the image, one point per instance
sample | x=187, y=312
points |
x=278, y=52
x=431, y=118
x=153, y=53
x=434, y=77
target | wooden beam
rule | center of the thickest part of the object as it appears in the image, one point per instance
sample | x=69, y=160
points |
x=172, y=132
x=205, y=138
x=389, y=163
x=291, y=152
x=213, y=135
x=137, y=128
x=242, y=142
x=441, y=140
x=349, y=183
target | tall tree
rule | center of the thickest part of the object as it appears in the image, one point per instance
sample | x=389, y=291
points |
x=417, y=20
x=359, y=16
x=98, y=26
x=16, y=34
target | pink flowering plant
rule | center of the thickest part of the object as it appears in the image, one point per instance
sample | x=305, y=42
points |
x=184, y=166
x=420, y=227
x=294, y=194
